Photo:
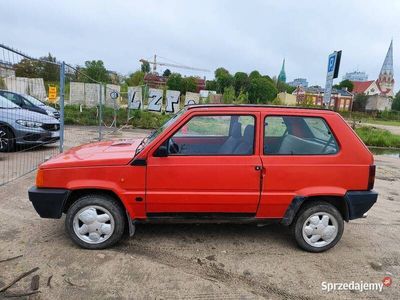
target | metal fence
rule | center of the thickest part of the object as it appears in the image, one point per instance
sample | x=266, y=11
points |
x=39, y=99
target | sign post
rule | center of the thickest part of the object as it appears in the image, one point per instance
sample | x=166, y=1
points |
x=333, y=72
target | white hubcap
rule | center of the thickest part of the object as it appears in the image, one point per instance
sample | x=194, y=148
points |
x=3, y=139
x=320, y=229
x=93, y=224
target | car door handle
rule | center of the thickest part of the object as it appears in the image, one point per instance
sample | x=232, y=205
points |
x=258, y=168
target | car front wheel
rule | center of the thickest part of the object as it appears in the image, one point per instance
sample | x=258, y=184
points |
x=95, y=221
x=318, y=227
x=7, y=141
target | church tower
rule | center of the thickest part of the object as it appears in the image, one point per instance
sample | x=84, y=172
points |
x=282, y=73
x=386, y=80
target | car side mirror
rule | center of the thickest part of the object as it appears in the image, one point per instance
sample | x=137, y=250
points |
x=162, y=151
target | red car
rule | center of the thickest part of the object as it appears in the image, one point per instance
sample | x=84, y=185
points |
x=305, y=168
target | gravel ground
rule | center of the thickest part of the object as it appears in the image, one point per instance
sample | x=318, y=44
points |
x=199, y=261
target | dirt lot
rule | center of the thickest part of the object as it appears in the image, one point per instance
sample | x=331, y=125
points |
x=200, y=261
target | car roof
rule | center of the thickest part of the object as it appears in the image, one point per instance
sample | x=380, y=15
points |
x=259, y=107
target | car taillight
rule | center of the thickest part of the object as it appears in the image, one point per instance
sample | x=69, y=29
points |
x=371, y=177
x=39, y=178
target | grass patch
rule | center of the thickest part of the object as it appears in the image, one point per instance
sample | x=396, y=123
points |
x=90, y=116
x=377, y=137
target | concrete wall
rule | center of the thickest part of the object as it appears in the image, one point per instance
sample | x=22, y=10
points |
x=378, y=103
x=23, y=85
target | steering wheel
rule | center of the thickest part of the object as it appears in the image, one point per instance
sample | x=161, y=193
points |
x=172, y=146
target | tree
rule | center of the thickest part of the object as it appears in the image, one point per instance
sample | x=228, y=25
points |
x=223, y=78
x=96, y=71
x=175, y=82
x=27, y=68
x=284, y=87
x=254, y=74
x=211, y=85
x=345, y=84
x=49, y=71
x=229, y=95
x=241, y=82
x=261, y=90
x=396, y=102
x=189, y=84
x=136, y=78
x=145, y=67
x=360, y=101
x=166, y=73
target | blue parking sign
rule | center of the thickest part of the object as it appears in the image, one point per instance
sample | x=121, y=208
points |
x=331, y=62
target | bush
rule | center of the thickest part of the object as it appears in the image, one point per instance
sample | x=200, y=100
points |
x=372, y=136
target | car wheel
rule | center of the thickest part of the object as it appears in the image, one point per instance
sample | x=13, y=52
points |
x=7, y=141
x=95, y=221
x=318, y=226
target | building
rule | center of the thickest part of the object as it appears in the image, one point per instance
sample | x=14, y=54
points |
x=385, y=80
x=356, y=76
x=299, y=82
x=157, y=81
x=369, y=87
x=378, y=103
x=287, y=99
x=340, y=99
x=282, y=73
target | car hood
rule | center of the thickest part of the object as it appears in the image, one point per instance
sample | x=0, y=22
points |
x=107, y=153
x=12, y=114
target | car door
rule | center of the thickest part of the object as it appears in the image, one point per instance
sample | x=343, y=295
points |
x=213, y=166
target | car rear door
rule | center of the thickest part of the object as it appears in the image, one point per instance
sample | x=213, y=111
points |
x=212, y=167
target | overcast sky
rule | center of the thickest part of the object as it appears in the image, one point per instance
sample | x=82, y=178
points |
x=238, y=35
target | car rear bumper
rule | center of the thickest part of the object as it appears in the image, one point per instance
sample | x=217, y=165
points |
x=48, y=203
x=359, y=202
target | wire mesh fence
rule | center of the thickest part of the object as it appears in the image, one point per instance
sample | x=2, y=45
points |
x=29, y=124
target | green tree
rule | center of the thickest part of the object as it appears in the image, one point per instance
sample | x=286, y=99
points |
x=175, y=82
x=145, y=67
x=95, y=70
x=136, y=78
x=27, y=68
x=396, y=102
x=254, y=74
x=166, y=73
x=223, y=78
x=261, y=90
x=345, y=84
x=229, y=95
x=284, y=87
x=189, y=84
x=241, y=82
x=360, y=101
x=49, y=71
x=211, y=85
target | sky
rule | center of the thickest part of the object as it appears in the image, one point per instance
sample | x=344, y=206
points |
x=237, y=35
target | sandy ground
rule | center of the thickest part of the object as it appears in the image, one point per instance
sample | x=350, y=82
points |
x=200, y=261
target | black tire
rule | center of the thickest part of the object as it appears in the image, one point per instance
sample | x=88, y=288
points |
x=7, y=140
x=307, y=211
x=104, y=202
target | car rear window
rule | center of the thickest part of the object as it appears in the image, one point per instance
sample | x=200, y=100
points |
x=293, y=135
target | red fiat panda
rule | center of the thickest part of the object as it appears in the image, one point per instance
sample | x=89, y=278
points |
x=304, y=168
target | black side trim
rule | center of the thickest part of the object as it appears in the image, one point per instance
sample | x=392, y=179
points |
x=292, y=210
x=48, y=203
x=359, y=202
x=207, y=216
x=139, y=162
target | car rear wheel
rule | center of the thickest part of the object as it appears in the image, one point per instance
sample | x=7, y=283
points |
x=95, y=221
x=318, y=227
x=7, y=141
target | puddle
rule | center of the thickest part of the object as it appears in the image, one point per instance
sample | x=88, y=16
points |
x=385, y=152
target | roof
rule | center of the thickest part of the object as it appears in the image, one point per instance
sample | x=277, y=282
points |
x=251, y=107
x=387, y=67
x=360, y=87
x=320, y=90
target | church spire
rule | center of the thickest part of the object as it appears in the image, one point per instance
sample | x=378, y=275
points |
x=282, y=73
x=387, y=67
x=385, y=80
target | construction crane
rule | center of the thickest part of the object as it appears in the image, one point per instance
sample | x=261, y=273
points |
x=156, y=63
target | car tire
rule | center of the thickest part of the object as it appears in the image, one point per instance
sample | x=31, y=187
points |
x=95, y=221
x=318, y=226
x=7, y=140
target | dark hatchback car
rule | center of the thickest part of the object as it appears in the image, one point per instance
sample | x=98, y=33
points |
x=30, y=103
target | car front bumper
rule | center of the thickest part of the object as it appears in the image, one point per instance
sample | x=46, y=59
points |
x=48, y=203
x=359, y=202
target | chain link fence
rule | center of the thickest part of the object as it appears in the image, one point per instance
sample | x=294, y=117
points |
x=48, y=106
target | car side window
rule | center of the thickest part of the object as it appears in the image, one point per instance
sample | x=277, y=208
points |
x=214, y=135
x=293, y=135
x=12, y=97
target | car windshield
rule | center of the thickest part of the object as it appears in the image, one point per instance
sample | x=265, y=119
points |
x=33, y=100
x=5, y=103
x=155, y=133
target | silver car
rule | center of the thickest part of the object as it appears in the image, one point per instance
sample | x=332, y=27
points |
x=23, y=127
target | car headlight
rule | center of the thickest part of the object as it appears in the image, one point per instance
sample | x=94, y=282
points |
x=50, y=113
x=31, y=124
